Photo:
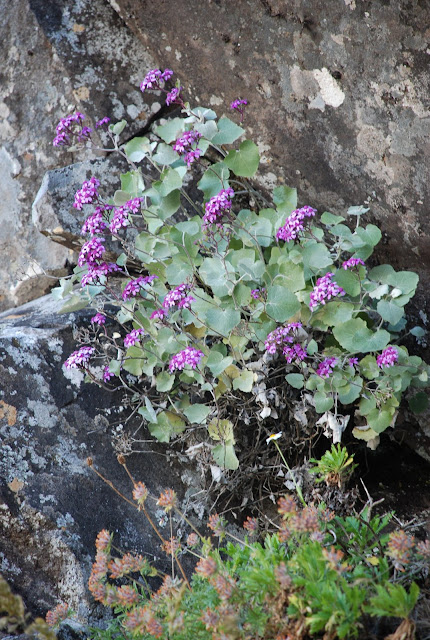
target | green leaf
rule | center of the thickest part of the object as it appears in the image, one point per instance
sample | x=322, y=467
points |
x=332, y=314
x=215, y=273
x=121, y=197
x=221, y=430
x=222, y=321
x=366, y=405
x=165, y=155
x=389, y=311
x=137, y=148
x=368, y=368
x=292, y=276
x=207, y=129
x=164, y=381
x=228, y=132
x=74, y=303
x=214, y=179
x=419, y=402
x=406, y=281
x=380, y=419
x=329, y=219
x=323, y=402
x=132, y=183
x=349, y=282
x=171, y=130
x=197, y=413
x=285, y=199
x=118, y=127
x=225, y=457
x=351, y=392
x=316, y=258
x=354, y=336
x=135, y=360
x=245, y=381
x=282, y=304
x=245, y=161
x=296, y=380
x=170, y=180
x=167, y=425
x=418, y=332
x=312, y=347
x=217, y=363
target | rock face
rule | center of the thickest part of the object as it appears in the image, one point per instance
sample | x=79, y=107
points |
x=51, y=504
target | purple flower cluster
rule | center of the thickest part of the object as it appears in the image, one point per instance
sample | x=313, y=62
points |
x=239, y=105
x=120, y=220
x=324, y=290
x=101, y=123
x=325, y=368
x=188, y=356
x=99, y=319
x=96, y=272
x=294, y=224
x=295, y=352
x=184, y=146
x=132, y=288
x=71, y=127
x=79, y=358
x=351, y=263
x=388, y=357
x=158, y=314
x=178, y=297
x=154, y=78
x=94, y=223
x=352, y=362
x=281, y=337
x=257, y=293
x=91, y=252
x=87, y=194
x=133, y=337
x=218, y=206
x=174, y=96
x=107, y=374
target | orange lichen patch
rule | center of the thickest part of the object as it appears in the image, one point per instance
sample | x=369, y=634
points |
x=78, y=28
x=15, y=485
x=9, y=412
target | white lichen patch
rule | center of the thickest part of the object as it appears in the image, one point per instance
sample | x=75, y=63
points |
x=330, y=91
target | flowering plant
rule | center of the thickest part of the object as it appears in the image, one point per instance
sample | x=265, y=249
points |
x=242, y=308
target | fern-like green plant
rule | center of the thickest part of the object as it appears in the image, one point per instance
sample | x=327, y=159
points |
x=335, y=467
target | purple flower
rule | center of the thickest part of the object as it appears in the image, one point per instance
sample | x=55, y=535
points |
x=87, y=194
x=174, y=96
x=101, y=123
x=96, y=272
x=133, y=287
x=94, y=223
x=91, y=251
x=186, y=141
x=294, y=224
x=79, y=358
x=120, y=220
x=107, y=374
x=133, y=337
x=69, y=127
x=99, y=319
x=158, y=314
x=191, y=157
x=257, y=293
x=352, y=361
x=238, y=104
x=188, y=356
x=177, y=295
x=218, y=206
x=295, y=352
x=134, y=205
x=324, y=290
x=281, y=336
x=185, y=303
x=154, y=77
x=326, y=367
x=388, y=357
x=352, y=262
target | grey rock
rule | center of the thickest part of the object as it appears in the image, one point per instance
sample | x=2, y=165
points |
x=52, y=505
